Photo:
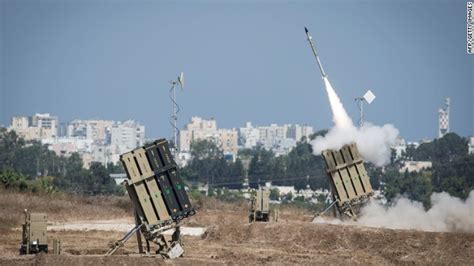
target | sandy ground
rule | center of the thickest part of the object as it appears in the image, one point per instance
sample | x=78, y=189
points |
x=117, y=225
x=230, y=239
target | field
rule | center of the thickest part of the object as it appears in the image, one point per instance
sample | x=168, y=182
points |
x=229, y=238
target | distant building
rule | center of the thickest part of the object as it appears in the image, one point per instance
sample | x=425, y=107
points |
x=97, y=130
x=126, y=136
x=183, y=158
x=298, y=132
x=415, y=166
x=103, y=154
x=271, y=135
x=471, y=145
x=249, y=136
x=46, y=121
x=280, y=139
x=66, y=146
x=36, y=127
x=284, y=190
x=227, y=140
x=20, y=122
x=400, y=147
x=119, y=178
x=109, y=138
x=282, y=146
x=95, y=140
x=200, y=129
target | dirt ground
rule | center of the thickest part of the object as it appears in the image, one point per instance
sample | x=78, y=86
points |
x=230, y=239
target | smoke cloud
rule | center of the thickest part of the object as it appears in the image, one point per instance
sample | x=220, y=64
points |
x=374, y=142
x=447, y=214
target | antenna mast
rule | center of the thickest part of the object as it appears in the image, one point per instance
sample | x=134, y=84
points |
x=368, y=97
x=174, y=116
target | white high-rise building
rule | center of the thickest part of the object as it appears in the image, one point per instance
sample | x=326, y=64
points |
x=199, y=129
x=126, y=136
x=470, y=145
x=249, y=136
x=97, y=130
x=271, y=135
x=280, y=139
x=400, y=147
x=297, y=132
x=46, y=121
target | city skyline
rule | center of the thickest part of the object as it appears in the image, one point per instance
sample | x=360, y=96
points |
x=115, y=60
x=63, y=125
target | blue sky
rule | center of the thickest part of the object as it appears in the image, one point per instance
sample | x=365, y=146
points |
x=243, y=61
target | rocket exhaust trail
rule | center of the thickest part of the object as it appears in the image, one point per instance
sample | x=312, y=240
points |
x=374, y=142
x=340, y=117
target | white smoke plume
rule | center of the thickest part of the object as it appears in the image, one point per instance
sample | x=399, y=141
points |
x=374, y=142
x=447, y=214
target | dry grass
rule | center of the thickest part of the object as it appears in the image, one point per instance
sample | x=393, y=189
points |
x=208, y=203
x=60, y=207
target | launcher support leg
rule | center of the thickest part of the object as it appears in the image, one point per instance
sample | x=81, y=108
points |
x=139, y=242
x=122, y=241
x=331, y=206
x=334, y=209
x=176, y=236
x=147, y=246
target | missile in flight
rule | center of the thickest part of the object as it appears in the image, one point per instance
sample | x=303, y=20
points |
x=309, y=38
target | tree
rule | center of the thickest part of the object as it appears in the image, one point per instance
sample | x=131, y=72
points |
x=274, y=194
x=289, y=196
x=455, y=177
x=260, y=167
x=205, y=149
x=416, y=186
x=237, y=174
x=10, y=144
x=445, y=149
x=114, y=168
x=304, y=168
x=452, y=171
x=36, y=168
x=209, y=165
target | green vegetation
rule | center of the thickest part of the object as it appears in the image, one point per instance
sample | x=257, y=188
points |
x=299, y=168
x=209, y=166
x=30, y=166
x=452, y=171
x=305, y=205
x=274, y=194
